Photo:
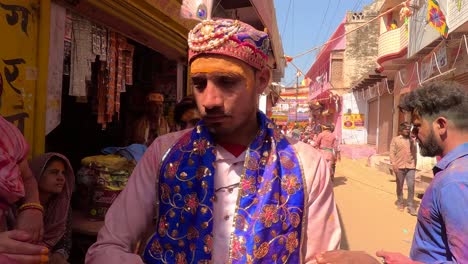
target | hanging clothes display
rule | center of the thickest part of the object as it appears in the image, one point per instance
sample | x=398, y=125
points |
x=128, y=56
x=99, y=42
x=111, y=66
x=90, y=41
x=121, y=45
x=102, y=83
x=114, y=74
x=81, y=56
x=124, y=69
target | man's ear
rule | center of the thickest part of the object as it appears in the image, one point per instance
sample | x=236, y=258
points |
x=263, y=77
x=441, y=125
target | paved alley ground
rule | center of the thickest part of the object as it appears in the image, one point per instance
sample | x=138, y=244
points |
x=370, y=220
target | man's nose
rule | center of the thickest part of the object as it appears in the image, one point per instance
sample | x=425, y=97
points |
x=212, y=96
x=61, y=176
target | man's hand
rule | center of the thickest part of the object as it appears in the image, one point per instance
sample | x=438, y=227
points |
x=14, y=245
x=394, y=258
x=31, y=221
x=57, y=258
x=395, y=170
x=345, y=257
x=7, y=260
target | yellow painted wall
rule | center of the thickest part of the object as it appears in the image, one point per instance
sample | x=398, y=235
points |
x=24, y=51
x=18, y=62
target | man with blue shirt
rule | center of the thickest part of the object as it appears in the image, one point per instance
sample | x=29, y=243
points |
x=439, y=113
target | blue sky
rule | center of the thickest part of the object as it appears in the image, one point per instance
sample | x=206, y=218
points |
x=309, y=23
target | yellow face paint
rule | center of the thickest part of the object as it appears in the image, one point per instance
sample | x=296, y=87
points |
x=209, y=65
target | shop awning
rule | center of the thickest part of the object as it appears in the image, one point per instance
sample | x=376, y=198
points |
x=148, y=24
x=325, y=103
x=368, y=81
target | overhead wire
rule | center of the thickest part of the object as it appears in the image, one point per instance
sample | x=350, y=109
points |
x=333, y=18
x=290, y=83
x=293, y=37
x=286, y=20
x=293, y=25
x=317, y=38
x=323, y=21
x=328, y=31
x=356, y=6
x=355, y=29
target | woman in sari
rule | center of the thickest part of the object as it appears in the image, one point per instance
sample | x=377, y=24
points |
x=56, y=180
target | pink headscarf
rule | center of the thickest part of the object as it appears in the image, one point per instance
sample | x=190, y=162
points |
x=13, y=150
x=55, y=216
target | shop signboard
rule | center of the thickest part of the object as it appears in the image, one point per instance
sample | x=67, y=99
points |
x=353, y=121
x=285, y=110
x=280, y=112
x=18, y=62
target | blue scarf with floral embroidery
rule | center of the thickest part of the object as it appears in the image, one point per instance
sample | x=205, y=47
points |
x=270, y=212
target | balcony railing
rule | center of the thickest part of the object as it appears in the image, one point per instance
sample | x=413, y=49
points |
x=393, y=42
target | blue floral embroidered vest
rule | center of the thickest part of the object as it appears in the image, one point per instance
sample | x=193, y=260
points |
x=269, y=217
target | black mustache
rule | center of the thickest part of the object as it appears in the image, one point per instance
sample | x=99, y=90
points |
x=215, y=112
x=215, y=115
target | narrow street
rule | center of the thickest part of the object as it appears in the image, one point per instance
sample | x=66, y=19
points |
x=365, y=198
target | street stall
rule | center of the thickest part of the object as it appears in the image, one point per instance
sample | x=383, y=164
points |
x=105, y=75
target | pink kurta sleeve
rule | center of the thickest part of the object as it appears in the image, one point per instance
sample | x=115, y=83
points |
x=323, y=231
x=13, y=150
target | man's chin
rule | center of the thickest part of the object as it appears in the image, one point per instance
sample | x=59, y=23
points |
x=429, y=152
x=425, y=153
x=218, y=128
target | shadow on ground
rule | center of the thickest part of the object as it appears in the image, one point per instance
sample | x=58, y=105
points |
x=344, y=240
x=340, y=180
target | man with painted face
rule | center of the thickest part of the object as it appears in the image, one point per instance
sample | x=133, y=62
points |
x=152, y=124
x=233, y=189
x=439, y=115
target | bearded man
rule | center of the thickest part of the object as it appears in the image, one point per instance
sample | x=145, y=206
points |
x=439, y=116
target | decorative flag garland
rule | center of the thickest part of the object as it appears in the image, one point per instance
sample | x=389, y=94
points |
x=436, y=18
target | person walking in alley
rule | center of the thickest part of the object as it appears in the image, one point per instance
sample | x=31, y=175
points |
x=439, y=115
x=403, y=159
x=327, y=143
x=233, y=189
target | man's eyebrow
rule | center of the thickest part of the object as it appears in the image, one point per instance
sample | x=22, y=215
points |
x=224, y=73
x=227, y=74
x=198, y=75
